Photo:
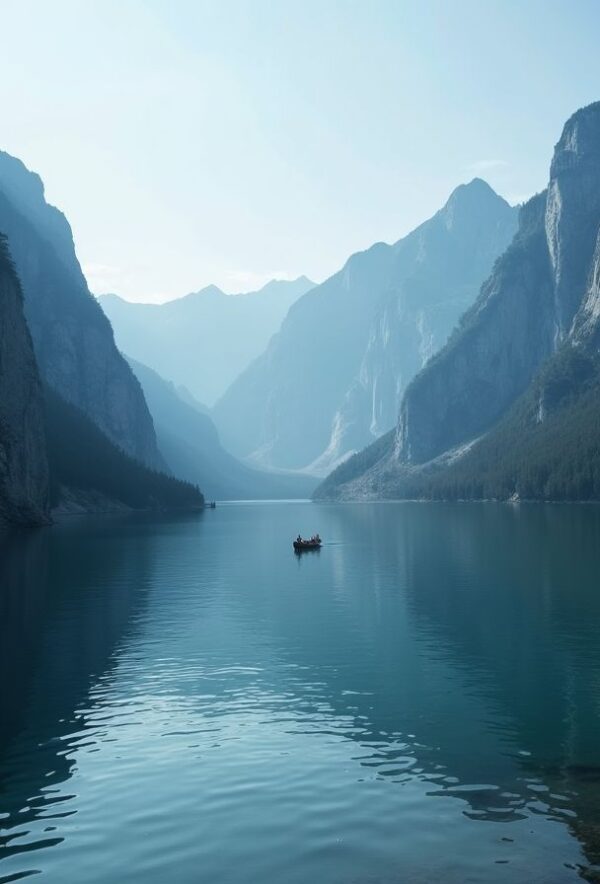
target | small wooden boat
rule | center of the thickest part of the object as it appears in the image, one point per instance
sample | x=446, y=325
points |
x=302, y=545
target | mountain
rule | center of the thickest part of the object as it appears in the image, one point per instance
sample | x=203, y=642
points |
x=190, y=444
x=509, y=407
x=203, y=340
x=332, y=379
x=23, y=462
x=72, y=339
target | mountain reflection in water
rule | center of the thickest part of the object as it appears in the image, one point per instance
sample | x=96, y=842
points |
x=184, y=697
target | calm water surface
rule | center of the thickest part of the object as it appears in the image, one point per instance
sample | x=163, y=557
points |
x=184, y=700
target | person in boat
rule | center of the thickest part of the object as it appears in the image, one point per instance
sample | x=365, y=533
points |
x=317, y=538
x=299, y=538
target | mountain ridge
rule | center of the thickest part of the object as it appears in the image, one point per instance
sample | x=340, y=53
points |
x=331, y=379
x=204, y=339
x=543, y=297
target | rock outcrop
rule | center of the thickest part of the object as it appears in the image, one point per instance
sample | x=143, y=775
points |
x=543, y=296
x=23, y=464
x=332, y=380
x=72, y=338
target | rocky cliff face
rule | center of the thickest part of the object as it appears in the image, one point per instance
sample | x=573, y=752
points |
x=492, y=358
x=72, y=338
x=586, y=327
x=543, y=295
x=526, y=309
x=23, y=465
x=333, y=378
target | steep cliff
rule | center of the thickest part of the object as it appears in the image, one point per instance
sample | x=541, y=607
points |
x=543, y=298
x=333, y=378
x=72, y=338
x=23, y=465
x=492, y=358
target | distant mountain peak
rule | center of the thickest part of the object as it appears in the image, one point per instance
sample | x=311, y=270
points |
x=480, y=184
x=302, y=283
x=205, y=339
x=471, y=192
x=469, y=201
x=108, y=296
x=209, y=291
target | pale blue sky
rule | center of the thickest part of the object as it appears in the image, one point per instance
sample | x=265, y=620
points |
x=192, y=142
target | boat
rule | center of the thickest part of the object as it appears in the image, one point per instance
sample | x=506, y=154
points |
x=302, y=545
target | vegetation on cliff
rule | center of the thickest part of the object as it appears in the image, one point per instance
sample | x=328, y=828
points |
x=546, y=448
x=82, y=459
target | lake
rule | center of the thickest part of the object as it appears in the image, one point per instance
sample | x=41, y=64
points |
x=184, y=699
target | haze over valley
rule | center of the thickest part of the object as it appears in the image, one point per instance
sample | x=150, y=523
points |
x=204, y=340
x=395, y=375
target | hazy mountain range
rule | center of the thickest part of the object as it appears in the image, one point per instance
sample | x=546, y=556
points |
x=203, y=340
x=510, y=407
x=332, y=379
x=497, y=385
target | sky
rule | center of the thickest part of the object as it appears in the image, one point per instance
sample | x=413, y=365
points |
x=235, y=141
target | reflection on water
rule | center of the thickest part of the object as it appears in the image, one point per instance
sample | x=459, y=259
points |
x=184, y=698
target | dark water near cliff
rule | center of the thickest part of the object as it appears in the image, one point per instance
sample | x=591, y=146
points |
x=184, y=700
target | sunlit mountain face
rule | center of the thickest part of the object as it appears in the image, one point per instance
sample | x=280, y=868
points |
x=332, y=380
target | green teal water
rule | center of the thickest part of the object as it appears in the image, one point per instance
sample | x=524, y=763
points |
x=185, y=700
